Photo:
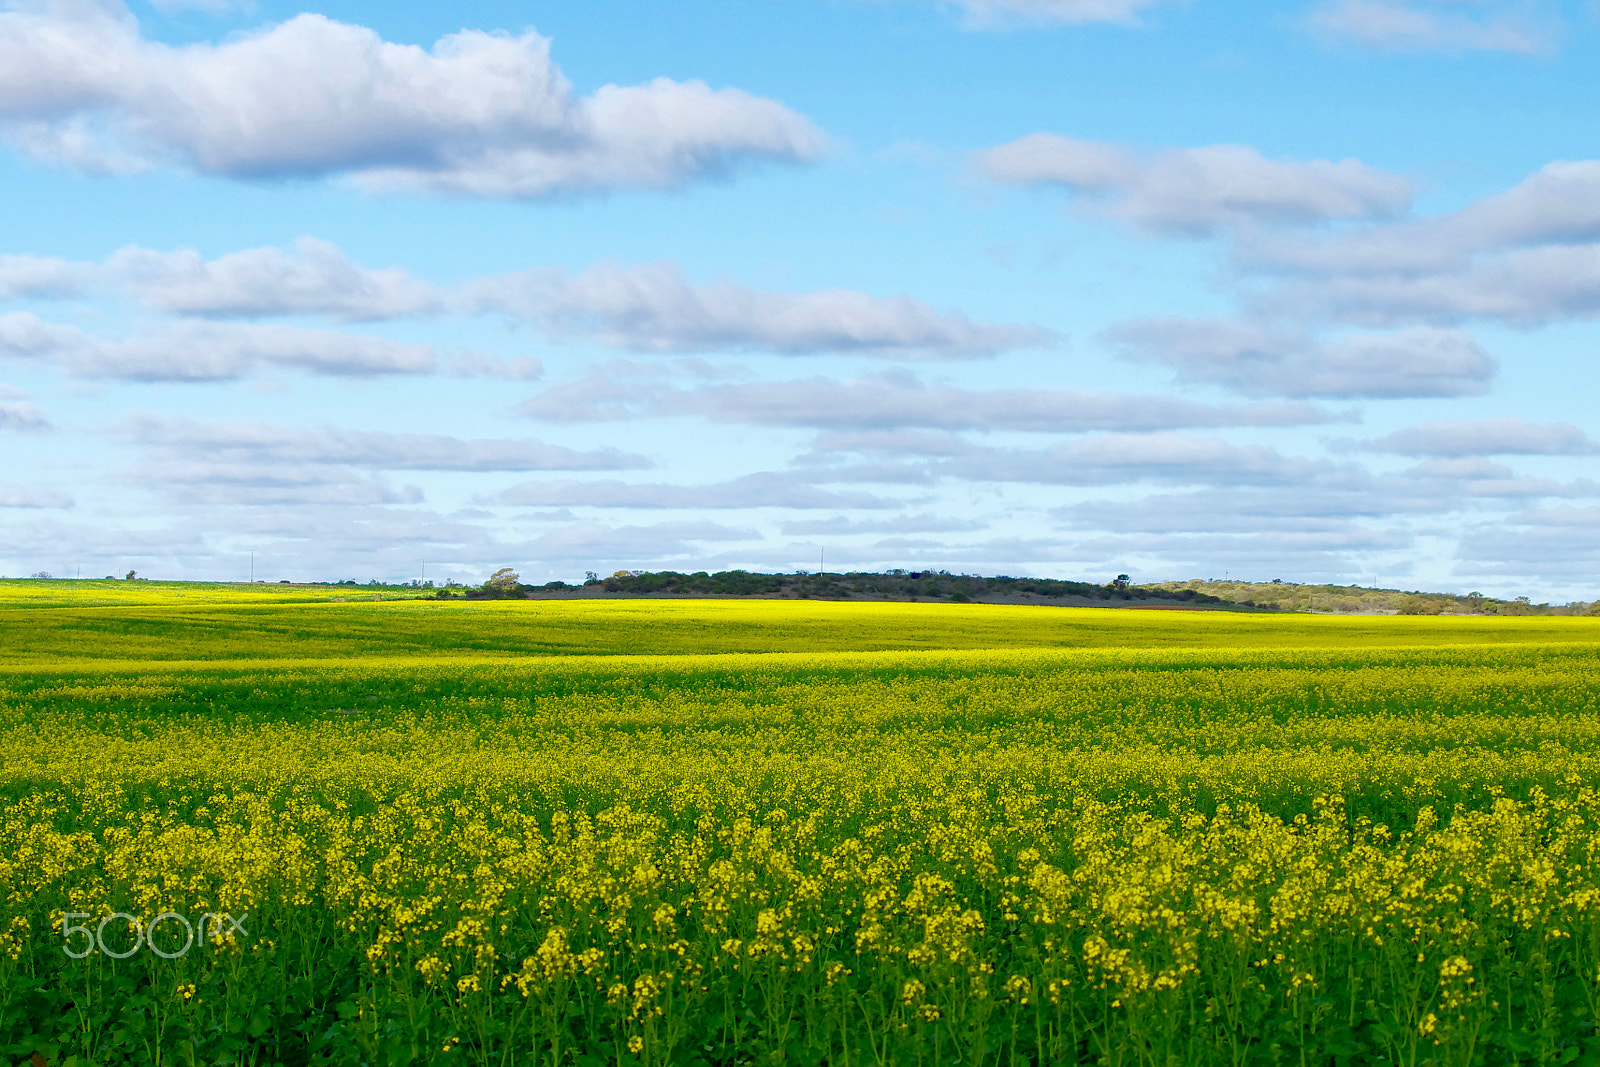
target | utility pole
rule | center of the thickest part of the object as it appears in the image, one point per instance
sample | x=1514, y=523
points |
x=252, y=568
x=822, y=555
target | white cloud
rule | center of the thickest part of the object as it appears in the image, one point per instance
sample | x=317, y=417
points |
x=1452, y=479
x=268, y=281
x=897, y=400
x=37, y=276
x=33, y=496
x=903, y=442
x=1527, y=256
x=1095, y=460
x=1291, y=509
x=479, y=113
x=1551, y=544
x=208, y=351
x=760, y=490
x=259, y=442
x=1194, y=191
x=1123, y=458
x=1518, y=26
x=841, y=525
x=647, y=307
x=1559, y=204
x=1416, y=362
x=18, y=413
x=1527, y=287
x=654, y=308
x=231, y=483
x=1486, y=437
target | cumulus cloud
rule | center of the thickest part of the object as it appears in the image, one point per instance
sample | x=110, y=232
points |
x=923, y=522
x=1245, y=509
x=18, y=413
x=653, y=307
x=1526, y=287
x=1527, y=256
x=1551, y=544
x=1123, y=458
x=899, y=400
x=1486, y=437
x=761, y=490
x=479, y=113
x=196, y=351
x=34, y=496
x=39, y=276
x=268, y=281
x=1099, y=459
x=221, y=482
x=647, y=307
x=260, y=442
x=1473, y=476
x=1330, y=499
x=902, y=442
x=1453, y=482
x=1416, y=362
x=1556, y=205
x=1195, y=191
x=1518, y=26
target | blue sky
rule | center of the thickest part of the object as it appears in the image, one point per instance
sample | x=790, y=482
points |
x=1059, y=287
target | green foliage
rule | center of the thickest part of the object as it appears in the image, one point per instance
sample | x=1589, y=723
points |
x=896, y=584
x=1293, y=596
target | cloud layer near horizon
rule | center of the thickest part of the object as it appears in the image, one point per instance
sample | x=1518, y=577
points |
x=649, y=307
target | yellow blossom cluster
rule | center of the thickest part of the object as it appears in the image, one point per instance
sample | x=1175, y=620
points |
x=1195, y=855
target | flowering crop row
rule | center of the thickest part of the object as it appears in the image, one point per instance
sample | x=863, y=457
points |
x=1201, y=856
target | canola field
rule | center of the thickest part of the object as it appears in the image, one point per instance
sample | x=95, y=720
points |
x=293, y=831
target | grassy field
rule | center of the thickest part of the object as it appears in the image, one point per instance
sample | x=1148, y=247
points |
x=719, y=832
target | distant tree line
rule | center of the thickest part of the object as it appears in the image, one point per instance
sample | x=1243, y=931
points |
x=1293, y=596
x=893, y=584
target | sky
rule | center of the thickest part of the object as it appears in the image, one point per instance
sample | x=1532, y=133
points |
x=1067, y=288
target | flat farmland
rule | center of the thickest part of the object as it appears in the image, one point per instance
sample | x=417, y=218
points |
x=250, y=825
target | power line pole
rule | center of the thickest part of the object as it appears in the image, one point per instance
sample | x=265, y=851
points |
x=252, y=568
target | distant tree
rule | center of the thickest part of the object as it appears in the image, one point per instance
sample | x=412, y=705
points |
x=41, y=574
x=130, y=575
x=504, y=580
x=1121, y=581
